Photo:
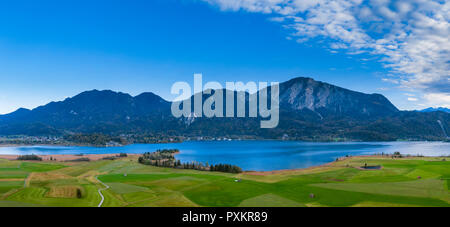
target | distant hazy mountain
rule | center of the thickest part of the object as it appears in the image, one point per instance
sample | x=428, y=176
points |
x=436, y=109
x=309, y=110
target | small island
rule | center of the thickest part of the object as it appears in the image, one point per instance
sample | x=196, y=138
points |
x=166, y=158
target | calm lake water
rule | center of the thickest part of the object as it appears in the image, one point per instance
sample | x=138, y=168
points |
x=255, y=155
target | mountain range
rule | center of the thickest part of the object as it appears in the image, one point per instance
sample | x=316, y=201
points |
x=447, y=110
x=309, y=110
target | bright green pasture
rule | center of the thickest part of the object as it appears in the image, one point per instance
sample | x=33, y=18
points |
x=269, y=200
x=37, y=195
x=400, y=182
x=6, y=186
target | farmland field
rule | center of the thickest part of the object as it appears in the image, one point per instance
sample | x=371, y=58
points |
x=410, y=181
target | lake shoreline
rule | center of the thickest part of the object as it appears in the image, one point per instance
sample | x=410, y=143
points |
x=56, y=145
x=67, y=158
x=254, y=157
x=275, y=140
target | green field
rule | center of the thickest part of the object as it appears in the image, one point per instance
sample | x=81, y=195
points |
x=400, y=182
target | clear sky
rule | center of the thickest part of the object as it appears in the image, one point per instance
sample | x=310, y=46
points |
x=50, y=50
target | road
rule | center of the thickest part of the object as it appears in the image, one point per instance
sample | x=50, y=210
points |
x=100, y=192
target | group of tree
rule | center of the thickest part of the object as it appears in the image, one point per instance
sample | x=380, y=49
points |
x=79, y=160
x=165, y=158
x=121, y=155
x=79, y=193
x=95, y=139
x=30, y=157
x=227, y=168
x=165, y=154
x=150, y=138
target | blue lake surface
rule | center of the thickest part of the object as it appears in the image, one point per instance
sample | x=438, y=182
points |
x=254, y=155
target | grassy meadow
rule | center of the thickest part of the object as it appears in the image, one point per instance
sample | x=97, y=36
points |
x=400, y=182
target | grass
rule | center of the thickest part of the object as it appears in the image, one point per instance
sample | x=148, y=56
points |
x=269, y=200
x=39, y=167
x=120, y=188
x=431, y=188
x=6, y=186
x=401, y=182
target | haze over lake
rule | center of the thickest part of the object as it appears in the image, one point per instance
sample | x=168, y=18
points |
x=254, y=155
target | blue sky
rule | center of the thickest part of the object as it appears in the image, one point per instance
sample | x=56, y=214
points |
x=50, y=50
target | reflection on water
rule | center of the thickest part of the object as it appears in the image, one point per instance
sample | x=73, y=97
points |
x=255, y=155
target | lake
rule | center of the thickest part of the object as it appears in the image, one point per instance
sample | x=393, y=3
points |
x=254, y=155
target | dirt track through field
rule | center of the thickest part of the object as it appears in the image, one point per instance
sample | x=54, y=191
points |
x=100, y=192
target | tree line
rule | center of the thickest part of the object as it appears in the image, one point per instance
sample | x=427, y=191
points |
x=95, y=139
